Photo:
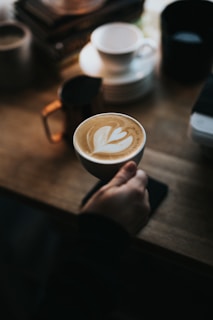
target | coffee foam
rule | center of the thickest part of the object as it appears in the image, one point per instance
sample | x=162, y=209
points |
x=109, y=137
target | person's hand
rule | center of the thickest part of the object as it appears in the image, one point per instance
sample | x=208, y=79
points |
x=124, y=199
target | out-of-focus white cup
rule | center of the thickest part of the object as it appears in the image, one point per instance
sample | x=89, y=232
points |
x=118, y=43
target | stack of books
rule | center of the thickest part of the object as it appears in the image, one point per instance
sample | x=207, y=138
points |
x=61, y=37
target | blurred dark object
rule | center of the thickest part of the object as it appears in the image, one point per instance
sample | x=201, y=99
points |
x=79, y=98
x=62, y=36
x=74, y=7
x=15, y=54
x=201, y=120
x=187, y=40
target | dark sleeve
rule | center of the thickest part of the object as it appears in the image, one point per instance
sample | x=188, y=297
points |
x=84, y=283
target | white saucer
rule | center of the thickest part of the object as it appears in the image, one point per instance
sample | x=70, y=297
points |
x=122, y=87
x=133, y=92
x=92, y=65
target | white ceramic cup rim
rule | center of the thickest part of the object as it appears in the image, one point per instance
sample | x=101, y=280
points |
x=96, y=34
x=105, y=162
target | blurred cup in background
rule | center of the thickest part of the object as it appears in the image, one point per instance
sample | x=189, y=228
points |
x=78, y=98
x=187, y=40
x=15, y=54
x=118, y=43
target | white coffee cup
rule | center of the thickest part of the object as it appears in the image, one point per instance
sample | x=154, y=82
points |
x=118, y=43
x=104, y=142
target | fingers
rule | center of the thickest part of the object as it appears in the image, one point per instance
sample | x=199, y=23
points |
x=138, y=187
x=140, y=180
x=127, y=172
x=147, y=203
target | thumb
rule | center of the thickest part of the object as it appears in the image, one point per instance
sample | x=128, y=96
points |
x=124, y=174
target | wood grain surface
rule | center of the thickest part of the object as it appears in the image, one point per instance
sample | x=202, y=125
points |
x=32, y=167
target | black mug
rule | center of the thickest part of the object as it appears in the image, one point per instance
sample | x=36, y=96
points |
x=187, y=40
x=15, y=55
x=78, y=98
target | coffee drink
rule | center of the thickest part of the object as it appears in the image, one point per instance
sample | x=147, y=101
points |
x=109, y=139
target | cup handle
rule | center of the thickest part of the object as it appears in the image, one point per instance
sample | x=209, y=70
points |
x=46, y=112
x=147, y=48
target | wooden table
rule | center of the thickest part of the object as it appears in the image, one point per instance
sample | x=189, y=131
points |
x=50, y=174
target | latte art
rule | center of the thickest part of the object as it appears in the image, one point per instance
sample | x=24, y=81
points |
x=109, y=137
x=109, y=140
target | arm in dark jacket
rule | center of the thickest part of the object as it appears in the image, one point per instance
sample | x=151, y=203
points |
x=83, y=284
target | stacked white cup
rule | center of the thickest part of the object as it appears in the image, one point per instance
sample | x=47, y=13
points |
x=118, y=43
